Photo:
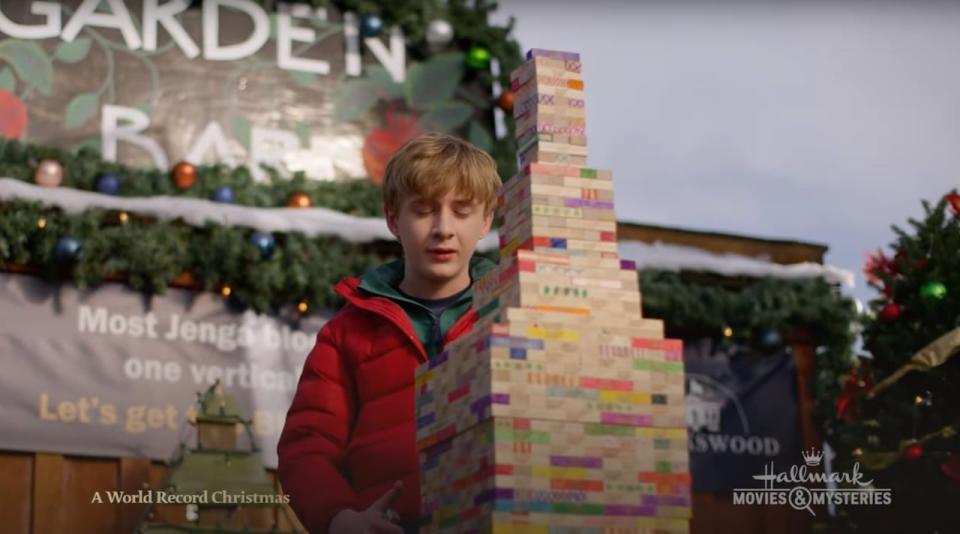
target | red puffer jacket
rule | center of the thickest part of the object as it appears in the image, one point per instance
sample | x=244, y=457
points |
x=350, y=432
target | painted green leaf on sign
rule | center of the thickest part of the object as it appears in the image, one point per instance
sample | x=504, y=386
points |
x=30, y=63
x=273, y=25
x=435, y=81
x=81, y=109
x=383, y=84
x=73, y=52
x=145, y=107
x=479, y=136
x=445, y=117
x=7, y=80
x=352, y=99
x=241, y=130
x=93, y=142
x=306, y=79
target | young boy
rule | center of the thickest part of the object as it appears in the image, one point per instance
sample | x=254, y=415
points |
x=347, y=453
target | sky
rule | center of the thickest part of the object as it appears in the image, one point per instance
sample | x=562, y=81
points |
x=823, y=122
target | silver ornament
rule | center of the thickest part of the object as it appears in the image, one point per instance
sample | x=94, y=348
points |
x=439, y=33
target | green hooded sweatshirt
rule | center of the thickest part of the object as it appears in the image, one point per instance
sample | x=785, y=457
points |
x=385, y=282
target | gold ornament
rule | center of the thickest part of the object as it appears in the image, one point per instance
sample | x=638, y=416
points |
x=49, y=173
x=41, y=223
x=225, y=290
x=299, y=200
x=302, y=306
x=123, y=217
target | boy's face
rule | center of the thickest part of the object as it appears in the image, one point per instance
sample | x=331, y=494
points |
x=438, y=238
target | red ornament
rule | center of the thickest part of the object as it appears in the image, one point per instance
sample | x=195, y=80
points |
x=506, y=101
x=922, y=263
x=13, y=115
x=954, y=200
x=890, y=312
x=913, y=452
x=184, y=175
x=381, y=143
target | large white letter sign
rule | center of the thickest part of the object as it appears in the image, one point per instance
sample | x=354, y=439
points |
x=394, y=59
x=287, y=33
x=50, y=28
x=165, y=16
x=119, y=19
x=212, y=137
x=137, y=121
x=211, y=30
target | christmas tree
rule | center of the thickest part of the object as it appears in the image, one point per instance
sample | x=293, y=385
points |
x=899, y=410
x=218, y=486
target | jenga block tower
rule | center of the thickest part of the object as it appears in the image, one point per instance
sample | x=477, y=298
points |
x=563, y=410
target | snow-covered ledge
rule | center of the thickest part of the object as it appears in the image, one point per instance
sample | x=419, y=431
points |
x=680, y=258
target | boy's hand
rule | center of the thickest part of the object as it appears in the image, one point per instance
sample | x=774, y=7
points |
x=370, y=521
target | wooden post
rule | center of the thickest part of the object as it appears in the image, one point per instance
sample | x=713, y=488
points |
x=16, y=483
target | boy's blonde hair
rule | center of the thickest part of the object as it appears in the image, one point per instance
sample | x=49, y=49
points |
x=433, y=164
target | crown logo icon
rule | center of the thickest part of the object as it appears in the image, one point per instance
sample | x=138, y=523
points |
x=812, y=458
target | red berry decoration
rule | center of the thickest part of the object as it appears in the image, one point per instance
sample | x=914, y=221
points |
x=381, y=143
x=890, y=312
x=13, y=115
x=954, y=200
x=913, y=452
x=858, y=383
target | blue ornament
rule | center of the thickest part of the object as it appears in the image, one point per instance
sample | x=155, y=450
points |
x=68, y=249
x=371, y=26
x=223, y=194
x=108, y=184
x=771, y=339
x=264, y=243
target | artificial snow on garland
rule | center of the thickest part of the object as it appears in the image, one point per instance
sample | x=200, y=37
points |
x=322, y=221
x=197, y=212
x=679, y=258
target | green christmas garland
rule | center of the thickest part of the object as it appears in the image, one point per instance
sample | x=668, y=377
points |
x=764, y=308
x=151, y=255
x=81, y=170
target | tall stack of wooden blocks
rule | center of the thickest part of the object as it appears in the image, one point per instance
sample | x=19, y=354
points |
x=563, y=410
